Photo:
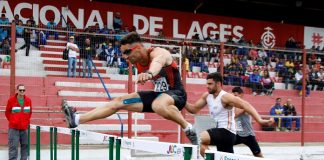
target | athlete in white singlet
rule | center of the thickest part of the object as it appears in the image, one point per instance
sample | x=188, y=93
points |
x=221, y=109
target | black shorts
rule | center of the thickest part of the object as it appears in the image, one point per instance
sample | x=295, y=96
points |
x=250, y=141
x=147, y=97
x=222, y=138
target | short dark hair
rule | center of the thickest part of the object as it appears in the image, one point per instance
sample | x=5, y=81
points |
x=278, y=99
x=130, y=38
x=20, y=85
x=217, y=77
x=237, y=90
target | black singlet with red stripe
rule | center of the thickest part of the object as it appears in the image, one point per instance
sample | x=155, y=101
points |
x=170, y=73
x=168, y=81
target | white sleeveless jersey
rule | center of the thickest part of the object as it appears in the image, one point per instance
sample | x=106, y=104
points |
x=223, y=117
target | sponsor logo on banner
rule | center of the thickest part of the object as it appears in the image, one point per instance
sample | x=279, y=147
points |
x=105, y=139
x=174, y=149
x=268, y=39
x=228, y=158
x=127, y=143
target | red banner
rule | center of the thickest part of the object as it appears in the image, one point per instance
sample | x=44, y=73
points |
x=83, y=13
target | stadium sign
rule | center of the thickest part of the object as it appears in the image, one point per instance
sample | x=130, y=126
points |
x=84, y=13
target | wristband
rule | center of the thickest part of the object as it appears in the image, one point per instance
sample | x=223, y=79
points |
x=149, y=72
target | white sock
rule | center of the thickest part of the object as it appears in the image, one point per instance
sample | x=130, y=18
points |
x=77, y=119
x=189, y=126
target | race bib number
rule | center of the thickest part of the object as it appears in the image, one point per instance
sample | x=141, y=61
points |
x=161, y=85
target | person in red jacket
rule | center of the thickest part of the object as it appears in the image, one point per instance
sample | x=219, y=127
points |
x=18, y=113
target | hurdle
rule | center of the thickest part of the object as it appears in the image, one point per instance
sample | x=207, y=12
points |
x=174, y=150
x=115, y=144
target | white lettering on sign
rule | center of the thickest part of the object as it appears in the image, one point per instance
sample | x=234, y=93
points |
x=150, y=25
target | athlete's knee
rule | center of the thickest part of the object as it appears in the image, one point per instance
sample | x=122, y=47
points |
x=116, y=103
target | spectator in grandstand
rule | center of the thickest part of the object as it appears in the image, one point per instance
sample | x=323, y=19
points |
x=18, y=113
x=196, y=37
x=267, y=83
x=273, y=58
x=26, y=35
x=278, y=110
x=87, y=52
x=242, y=74
x=161, y=34
x=72, y=60
x=111, y=38
x=208, y=38
x=110, y=54
x=253, y=54
x=16, y=19
x=52, y=25
x=104, y=30
x=4, y=30
x=230, y=40
x=213, y=54
x=318, y=64
x=216, y=39
x=245, y=133
x=299, y=85
x=203, y=53
x=32, y=21
x=289, y=110
x=117, y=22
x=41, y=38
x=118, y=54
x=255, y=82
x=133, y=29
x=243, y=61
x=263, y=55
x=297, y=65
x=19, y=29
x=291, y=43
x=241, y=50
x=314, y=80
x=320, y=75
x=234, y=77
x=288, y=77
x=96, y=28
x=4, y=20
x=234, y=59
x=289, y=64
x=5, y=47
x=259, y=62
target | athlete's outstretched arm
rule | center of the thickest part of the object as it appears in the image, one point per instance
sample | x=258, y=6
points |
x=198, y=105
x=159, y=58
x=231, y=100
